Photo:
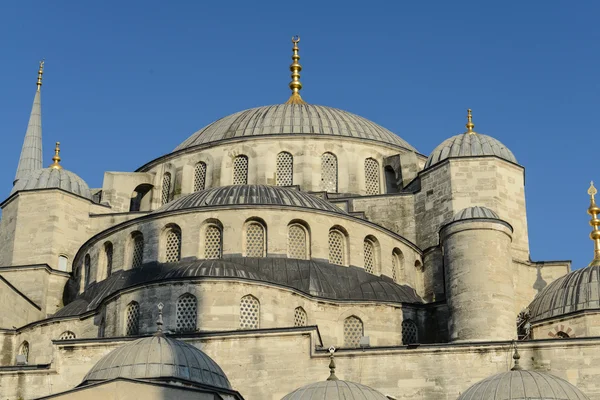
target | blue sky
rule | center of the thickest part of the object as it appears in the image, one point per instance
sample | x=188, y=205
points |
x=126, y=82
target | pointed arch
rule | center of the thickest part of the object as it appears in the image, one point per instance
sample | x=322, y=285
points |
x=166, y=188
x=353, y=331
x=372, y=176
x=255, y=238
x=284, y=169
x=172, y=246
x=137, y=249
x=240, y=170
x=298, y=241
x=337, y=247
x=300, y=317
x=187, y=313
x=410, y=334
x=249, y=312
x=371, y=254
x=329, y=172
x=132, y=319
x=200, y=176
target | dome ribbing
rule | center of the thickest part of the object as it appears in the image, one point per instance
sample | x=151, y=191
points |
x=52, y=178
x=469, y=145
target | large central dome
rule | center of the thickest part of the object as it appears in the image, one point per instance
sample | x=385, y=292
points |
x=293, y=119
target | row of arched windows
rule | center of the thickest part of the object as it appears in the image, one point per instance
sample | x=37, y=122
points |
x=284, y=174
x=24, y=348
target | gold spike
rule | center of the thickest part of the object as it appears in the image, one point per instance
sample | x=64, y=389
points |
x=594, y=210
x=295, y=84
x=470, y=125
x=40, y=73
x=56, y=158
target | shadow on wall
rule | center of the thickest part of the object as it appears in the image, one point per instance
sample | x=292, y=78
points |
x=539, y=283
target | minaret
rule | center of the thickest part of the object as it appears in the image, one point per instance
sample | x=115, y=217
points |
x=31, y=153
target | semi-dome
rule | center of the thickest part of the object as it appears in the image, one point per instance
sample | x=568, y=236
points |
x=292, y=119
x=53, y=178
x=335, y=390
x=469, y=145
x=521, y=384
x=250, y=195
x=159, y=358
x=475, y=212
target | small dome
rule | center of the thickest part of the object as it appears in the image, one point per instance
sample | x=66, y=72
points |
x=292, y=119
x=578, y=290
x=475, y=213
x=50, y=178
x=518, y=385
x=335, y=390
x=159, y=357
x=469, y=145
x=250, y=195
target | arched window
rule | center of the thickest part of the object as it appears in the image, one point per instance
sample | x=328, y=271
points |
x=255, y=239
x=372, y=176
x=240, y=170
x=63, y=263
x=371, y=256
x=166, y=188
x=132, y=319
x=24, y=351
x=199, y=176
x=108, y=258
x=186, y=313
x=66, y=335
x=329, y=173
x=87, y=269
x=397, y=265
x=353, y=331
x=141, y=198
x=299, y=317
x=391, y=182
x=285, y=169
x=137, y=247
x=409, y=332
x=213, y=245
x=173, y=245
x=297, y=242
x=420, y=281
x=562, y=335
x=249, y=312
x=337, y=247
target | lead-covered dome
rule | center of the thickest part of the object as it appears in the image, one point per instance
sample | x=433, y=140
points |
x=292, y=119
x=53, y=178
x=475, y=212
x=159, y=358
x=250, y=195
x=469, y=145
x=335, y=390
x=520, y=385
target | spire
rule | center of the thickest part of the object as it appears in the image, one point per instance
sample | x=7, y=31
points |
x=332, y=376
x=516, y=358
x=31, y=152
x=593, y=210
x=470, y=125
x=56, y=158
x=295, y=84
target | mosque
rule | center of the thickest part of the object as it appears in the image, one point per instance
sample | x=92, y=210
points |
x=295, y=252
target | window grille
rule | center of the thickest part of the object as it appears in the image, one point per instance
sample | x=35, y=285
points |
x=24, y=350
x=66, y=335
x=353, y=331
x=108, y=253
x=87, y=263
x=299, y=317
x=240, y=170
x=329, y=172
x=372, y=176
x=249, y=312
x=132, y=323
x=137, y=257
x=166, y=188
x=199, y=176
x=297, y=242
x=336, y=248
x=186, y=313
x=212, y=242
x=369, y=251
x=255, y=240
x=395, y=267
x=285, y=169
x=409, y=332
x=173, y=248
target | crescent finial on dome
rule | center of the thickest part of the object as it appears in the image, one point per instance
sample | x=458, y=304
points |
x=470, y=125
x=56, y=159
x=295, y=67
x=594, y=210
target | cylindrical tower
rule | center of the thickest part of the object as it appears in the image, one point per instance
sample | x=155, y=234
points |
x=479, y=283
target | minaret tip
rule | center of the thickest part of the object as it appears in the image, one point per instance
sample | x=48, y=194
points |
x=40, y=73
x=594, y=210
x=295, y=84
x=470, y=125
x=56, y=159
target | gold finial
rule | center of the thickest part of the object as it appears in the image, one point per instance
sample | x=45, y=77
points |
x=40, y=73
x=295, y=84
x=56, y=158
x=332, y=376
x=470, y=125
x=594, y=210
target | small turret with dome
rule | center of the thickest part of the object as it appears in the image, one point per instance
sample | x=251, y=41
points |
x=469, y=144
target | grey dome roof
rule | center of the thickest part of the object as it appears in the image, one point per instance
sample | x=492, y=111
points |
x=475, y=213
x=335, y=390
x=292, y=119
x=250, y=195
x=469, y=145
x=578, y=290
x=158, y=357
x=520, y=385
x=50, y=178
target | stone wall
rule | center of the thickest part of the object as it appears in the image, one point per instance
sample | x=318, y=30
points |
x=21, y=312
